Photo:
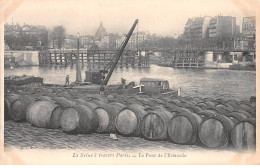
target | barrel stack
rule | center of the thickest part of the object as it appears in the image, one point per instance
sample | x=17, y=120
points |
x=212, y=123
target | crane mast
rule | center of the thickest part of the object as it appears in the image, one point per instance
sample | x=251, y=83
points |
x=112, y=64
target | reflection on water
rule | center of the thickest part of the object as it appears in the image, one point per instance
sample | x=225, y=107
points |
x=194, y=82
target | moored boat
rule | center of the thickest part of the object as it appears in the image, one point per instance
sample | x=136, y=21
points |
x=245, y=67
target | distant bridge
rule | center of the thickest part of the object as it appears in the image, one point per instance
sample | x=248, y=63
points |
x=92, y=57
x=130, y=57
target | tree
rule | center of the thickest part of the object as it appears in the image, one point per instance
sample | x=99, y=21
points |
x=112, y=40
x=58, y=33
x=44, y=39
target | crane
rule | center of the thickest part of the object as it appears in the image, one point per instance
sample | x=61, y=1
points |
x=99, y=77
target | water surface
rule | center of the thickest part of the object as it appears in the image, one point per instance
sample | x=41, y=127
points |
x=215, y=83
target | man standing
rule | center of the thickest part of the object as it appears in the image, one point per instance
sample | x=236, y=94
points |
x=123, y=83
x=102, y=89
x=67, y=80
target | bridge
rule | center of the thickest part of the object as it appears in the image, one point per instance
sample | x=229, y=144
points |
x=93, y=57
x=135, y=58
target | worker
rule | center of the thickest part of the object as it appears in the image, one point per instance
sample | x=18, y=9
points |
x=67, y=80
x=123, y=83
x=103, y=77
x=102, y=89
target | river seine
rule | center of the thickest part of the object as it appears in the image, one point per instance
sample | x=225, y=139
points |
x=215, y=83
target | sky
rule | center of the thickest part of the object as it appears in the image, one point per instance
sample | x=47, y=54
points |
x=163, y=17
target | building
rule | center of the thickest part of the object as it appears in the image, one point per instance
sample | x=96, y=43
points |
x=137, y=40
x=249, y=31
x=86, y=41
x=70, y=42
x=101, y=38
x=101, y=31
x=32, y=37
x=199, y=27
x=104, y=42
x=11, y=29
x=222, y=27
x=196, y=28
x=187, y=29
x=246, y=41
x=248, y=26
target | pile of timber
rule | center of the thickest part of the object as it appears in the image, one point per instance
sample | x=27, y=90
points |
x=212, y=123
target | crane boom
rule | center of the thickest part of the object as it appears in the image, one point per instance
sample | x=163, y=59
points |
x=112, y=64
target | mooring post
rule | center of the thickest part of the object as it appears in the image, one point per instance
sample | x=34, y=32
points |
x=60, y=57
x=50, y=60
x=78, y=69
x=104, y=64
x=55, y=54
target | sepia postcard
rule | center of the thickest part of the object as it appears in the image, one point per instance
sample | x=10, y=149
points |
x=129, y=82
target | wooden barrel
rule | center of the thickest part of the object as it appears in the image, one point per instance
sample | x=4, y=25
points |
x=236, y=117
x=98, y=102
x=85, y=103
x=106, y=115
x=44, y=114
x=122, y=101
x=154, y=124
x=63, y=102
x=214, y=132
x=234, y=103
x=247, y=114
x=176, y=101
x=245, y=107
x=209, y=103
x=243, y=135
x=18, y=108
x=153, y=102
x=12, y=97
x=202, y=105
x=208, y=99
x=46, y=98
x=225, y=106
x=176, y=109
x=253, y=104
x=6, y=110
x=79, y=119
x=134, y=100
x=166, y=99
x=99, y=98
x=219, y=101
x=188, y=98
x=117, y=104
x=128, y=120
x=198, y=100
x=183, y=128
x=159, y=101
x=219, y=110
x=181, y=99
x=147, y=102
x=65, y=94
x=245, y=102
x=110, y=97
x=254, y=111
x=193, y=109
